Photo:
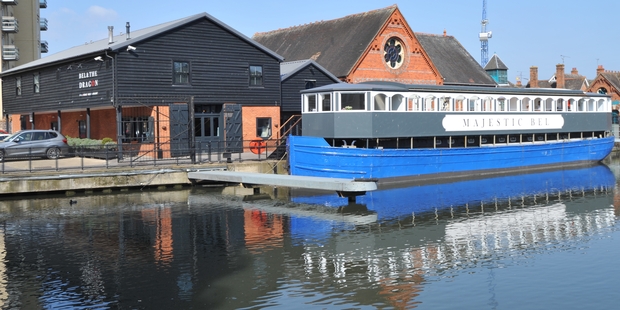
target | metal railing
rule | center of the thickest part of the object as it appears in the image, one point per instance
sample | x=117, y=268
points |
x=130, y=155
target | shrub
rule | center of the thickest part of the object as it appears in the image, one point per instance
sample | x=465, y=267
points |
x=77, y=142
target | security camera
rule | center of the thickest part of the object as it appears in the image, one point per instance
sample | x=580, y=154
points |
x=98, y=58
x=131, y=48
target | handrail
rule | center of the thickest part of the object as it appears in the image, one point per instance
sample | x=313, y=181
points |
x=294, y=120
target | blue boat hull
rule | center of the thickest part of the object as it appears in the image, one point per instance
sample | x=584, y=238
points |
x=313, y=156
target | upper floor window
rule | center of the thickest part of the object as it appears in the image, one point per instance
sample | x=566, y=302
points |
x=35, y=80
x=256, y=75
x=180, y=73
x=310, y=84
x=18, y=86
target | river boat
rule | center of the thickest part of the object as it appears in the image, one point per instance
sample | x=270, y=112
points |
x=390, y=131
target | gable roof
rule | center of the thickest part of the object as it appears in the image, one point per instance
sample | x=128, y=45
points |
x=495, y=64
x=288, y=69
x=454, y=63
x=613, y=78
x=335, y=44
x=120, y=42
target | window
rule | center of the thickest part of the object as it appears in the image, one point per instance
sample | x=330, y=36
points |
x=263, y=127
x=256, y=76
x=311, y=103
x=181, y=73
x=139, y=129
x=18, y=86
x=353, y=101
x=81, y=129
x=326, y=102
x=35, y=80
x=310, y=84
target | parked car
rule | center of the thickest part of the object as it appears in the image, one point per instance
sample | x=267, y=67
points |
x=3, y=135
x=44, y=143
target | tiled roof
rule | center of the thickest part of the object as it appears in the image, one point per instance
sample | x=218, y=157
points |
x=613, y=78
x=495, y=64
x=335, y=44
x=453, y=61
x=289, y=68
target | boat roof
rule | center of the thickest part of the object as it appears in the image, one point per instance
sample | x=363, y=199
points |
x=398, y=87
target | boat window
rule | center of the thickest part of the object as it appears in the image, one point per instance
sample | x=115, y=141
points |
x=549, y=104
x=601, y=105
x=559, y=106
x=537, y=104
x=570, y=105
x=380, y=102
x=487, y=104
x=326, y=102
x=581, y=105
x=429, y=103
x=525, y=104
x=353, y=101
x=472, y=104
x=311, y=103
x=415, y=104
x=446, y=104
x=458, y=105
x=513, y=104
x=397, y=102
x=501, y=104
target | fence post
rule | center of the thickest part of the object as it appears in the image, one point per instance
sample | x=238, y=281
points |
x=209, y=151
x=219, y=154
x=199, y=151
x=154, y=156
x=30, y=159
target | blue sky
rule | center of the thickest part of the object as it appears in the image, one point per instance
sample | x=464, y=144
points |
x=526, y=33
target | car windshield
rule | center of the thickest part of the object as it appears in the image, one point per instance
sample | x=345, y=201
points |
x=12, y=137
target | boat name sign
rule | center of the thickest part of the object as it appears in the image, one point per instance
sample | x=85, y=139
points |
x=501, y=122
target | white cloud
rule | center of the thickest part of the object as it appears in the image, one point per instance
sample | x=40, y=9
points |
x=102, y=13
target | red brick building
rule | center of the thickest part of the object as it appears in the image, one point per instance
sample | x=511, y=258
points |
x=378, y=45
x=607, y=82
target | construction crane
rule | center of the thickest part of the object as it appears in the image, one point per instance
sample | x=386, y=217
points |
x=484, y=36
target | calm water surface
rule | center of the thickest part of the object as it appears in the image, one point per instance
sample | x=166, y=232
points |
x=548, y=240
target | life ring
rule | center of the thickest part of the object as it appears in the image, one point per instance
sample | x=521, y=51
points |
x=257, y=146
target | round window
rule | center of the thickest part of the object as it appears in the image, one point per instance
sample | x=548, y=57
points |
x=394, y=53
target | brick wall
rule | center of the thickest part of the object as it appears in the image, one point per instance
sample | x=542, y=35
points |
x=416, y=68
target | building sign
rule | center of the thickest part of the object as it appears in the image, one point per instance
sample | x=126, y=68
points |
x=500, y=122
x=88, y=79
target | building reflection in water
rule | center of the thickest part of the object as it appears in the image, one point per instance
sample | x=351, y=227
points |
x=211, y=247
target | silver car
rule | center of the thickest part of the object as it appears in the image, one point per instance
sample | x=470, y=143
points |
x=41, y=143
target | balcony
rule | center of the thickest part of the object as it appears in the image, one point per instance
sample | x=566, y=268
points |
x=9, y=2
x=42, y=4
x=44, y=46
x=9, y=24
x=43, y=24
x=10, y=52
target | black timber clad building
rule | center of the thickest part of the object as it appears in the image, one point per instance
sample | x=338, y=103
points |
x=120, y=80
x=299, y=75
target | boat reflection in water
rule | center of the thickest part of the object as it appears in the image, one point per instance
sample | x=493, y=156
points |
x=425, y=232
x=509, y=190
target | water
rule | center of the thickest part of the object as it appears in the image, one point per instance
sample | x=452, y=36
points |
x=530, y=241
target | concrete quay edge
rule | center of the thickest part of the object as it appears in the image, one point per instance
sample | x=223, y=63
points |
x=118, y=179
